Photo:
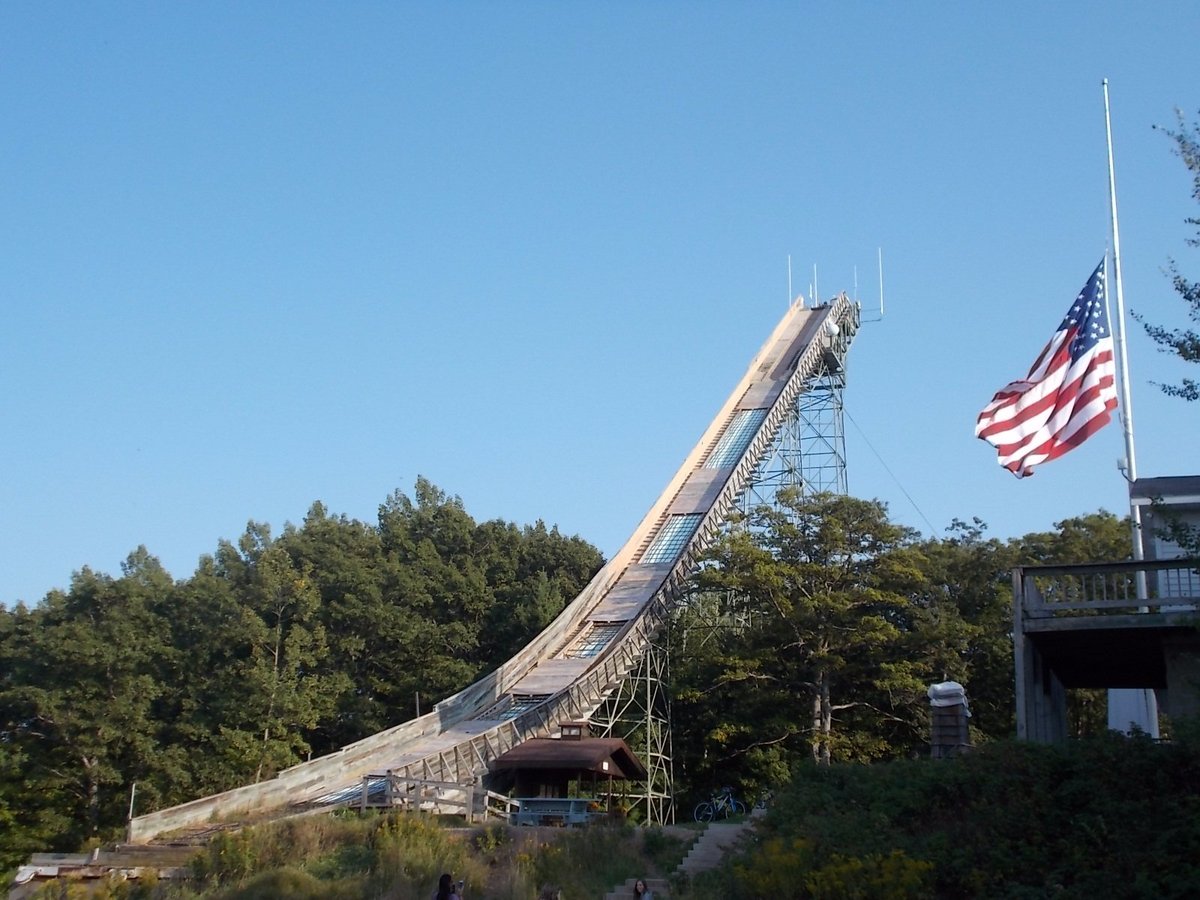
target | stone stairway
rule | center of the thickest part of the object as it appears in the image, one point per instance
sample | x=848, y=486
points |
x=715, y=841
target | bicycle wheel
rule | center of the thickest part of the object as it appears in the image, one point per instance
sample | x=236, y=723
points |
x=736, y=807
x=704, y=812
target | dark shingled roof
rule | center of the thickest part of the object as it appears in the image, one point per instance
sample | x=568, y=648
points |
x=585, y=755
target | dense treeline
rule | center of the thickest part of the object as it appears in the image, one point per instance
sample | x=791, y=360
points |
x=276, y=649
x=817, y=628
x=281, y=648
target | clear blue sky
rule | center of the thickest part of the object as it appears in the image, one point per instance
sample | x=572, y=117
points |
x=261, y=254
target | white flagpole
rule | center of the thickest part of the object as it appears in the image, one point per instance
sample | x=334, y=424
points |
x=1131, y=706
x=1122, y=353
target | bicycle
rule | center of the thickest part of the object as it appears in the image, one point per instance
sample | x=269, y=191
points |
x=722, y=804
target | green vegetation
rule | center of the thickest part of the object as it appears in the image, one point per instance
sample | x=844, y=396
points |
x=278, y=648
x=1107, y=816
x=400, y=856
x=274, y=650
x=1099, y=817
x=1183, y=342
x=819, y=626
x=281, y=647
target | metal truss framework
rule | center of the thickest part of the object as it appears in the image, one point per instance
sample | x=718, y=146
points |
x=644, y=702
x=808, y=453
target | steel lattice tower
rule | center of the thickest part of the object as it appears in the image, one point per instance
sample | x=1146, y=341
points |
x=808, y=453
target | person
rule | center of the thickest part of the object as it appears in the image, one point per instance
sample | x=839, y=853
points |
x=447, y=889
x=641, y=892
x=549, y=892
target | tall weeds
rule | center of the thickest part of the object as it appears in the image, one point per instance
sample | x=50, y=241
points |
x=400, y=857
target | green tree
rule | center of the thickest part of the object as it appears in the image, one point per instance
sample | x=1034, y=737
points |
x=1098, y=536
x=272, y=650
x=84, y=675
x=533, y=573
x=437, y=588
x=210, y=652
x=31, y=817
x=968, y=582
x=346, y=563
x=282, y=682
x=823, y=664
x=470, y=595
x=1183, y=342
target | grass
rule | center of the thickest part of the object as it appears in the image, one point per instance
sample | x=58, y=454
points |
x=400, y=856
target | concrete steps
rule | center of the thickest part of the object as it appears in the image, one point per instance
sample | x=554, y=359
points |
x=718, y=838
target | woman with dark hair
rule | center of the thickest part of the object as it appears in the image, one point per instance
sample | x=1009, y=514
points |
x=447, y=889
x=641, y=892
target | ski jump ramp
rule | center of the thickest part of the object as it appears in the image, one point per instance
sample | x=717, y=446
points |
x=582, y=657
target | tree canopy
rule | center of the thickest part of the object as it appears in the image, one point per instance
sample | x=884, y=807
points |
x=816, y=627
x=275, y=649
x=812, y=634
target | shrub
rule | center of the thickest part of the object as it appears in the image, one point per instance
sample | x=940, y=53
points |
x=663, y=851
x=891, y=877
x=289, y=882
x=228, y=857
x=411, y=851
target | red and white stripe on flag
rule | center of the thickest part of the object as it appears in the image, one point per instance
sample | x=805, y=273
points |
x=1068, y=394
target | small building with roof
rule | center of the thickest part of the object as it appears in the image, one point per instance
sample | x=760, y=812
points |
x=544, y=767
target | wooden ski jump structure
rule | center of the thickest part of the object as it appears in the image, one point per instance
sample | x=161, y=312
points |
x=603, y=655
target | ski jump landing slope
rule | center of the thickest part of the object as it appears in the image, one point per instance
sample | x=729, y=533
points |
x=582, y=657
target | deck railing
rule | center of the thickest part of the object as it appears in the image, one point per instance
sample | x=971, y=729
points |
x=1107, y=588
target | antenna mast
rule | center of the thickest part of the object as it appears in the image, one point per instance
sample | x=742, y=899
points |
x=881, y=282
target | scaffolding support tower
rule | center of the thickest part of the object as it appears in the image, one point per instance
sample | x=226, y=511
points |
x=808, y=454
x=809, y=451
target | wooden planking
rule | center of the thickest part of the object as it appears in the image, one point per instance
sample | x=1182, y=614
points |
x=788, y=349
x=760, y=395
x=699, y=491
x=552, y=675
x=633, y=591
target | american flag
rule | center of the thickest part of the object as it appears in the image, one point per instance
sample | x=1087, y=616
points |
x=1067, y=395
